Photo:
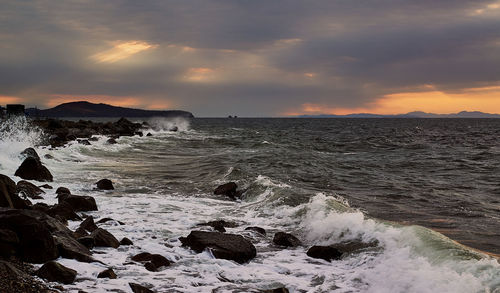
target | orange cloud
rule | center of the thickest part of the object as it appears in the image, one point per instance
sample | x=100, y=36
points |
x=485, y=99
x=121, y=50
x=9, y=100
x=199, y=74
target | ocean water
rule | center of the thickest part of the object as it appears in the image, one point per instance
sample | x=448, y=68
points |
x=427, y=190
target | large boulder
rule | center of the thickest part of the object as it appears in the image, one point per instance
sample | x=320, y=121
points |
x=55, y=272
x=32, y=169
x=286, y=239
x=228, y=189
x=104, y=238
x=8, y=195
x=63, y=211
x=62, y=190
x=327, y=253
x=105, y=184
x=30, y=153
x=36, y=243
x=219, y=225
x=152, y=262
x=29, y=189
x=79, y=203
x=225, y=246
x=88, y=224
x=69, y=247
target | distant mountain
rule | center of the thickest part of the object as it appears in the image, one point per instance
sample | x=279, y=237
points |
x=87, y=109
x=415, y=114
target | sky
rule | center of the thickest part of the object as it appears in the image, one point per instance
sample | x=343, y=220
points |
x=254, y=58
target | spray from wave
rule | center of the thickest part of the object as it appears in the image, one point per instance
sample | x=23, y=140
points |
x=161, y=124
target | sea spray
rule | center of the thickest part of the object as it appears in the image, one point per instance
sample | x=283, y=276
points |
x=168, y=124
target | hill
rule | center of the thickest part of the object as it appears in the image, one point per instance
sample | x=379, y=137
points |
x=87, y=109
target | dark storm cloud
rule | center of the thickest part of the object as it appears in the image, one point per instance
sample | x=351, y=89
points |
x=248, y=57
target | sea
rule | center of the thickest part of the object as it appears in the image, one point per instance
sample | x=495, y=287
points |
x=427, y=191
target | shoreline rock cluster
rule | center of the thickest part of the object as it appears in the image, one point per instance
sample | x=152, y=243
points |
x=38, y=233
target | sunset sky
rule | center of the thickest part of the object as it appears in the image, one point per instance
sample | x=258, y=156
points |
x=254, y=58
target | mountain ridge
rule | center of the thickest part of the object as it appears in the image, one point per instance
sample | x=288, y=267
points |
x=88, y=109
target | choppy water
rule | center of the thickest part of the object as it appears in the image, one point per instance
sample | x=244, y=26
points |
x=325, y=180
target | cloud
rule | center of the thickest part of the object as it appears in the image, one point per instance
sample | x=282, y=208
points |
x=121, y=50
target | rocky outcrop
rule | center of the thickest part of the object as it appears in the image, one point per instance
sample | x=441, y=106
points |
x=105, y=184
x=229, y=189
x=126, y=241
x=32, y=169
x=219, y=225
x=286, y=239
x=63, y=211
x=225, y=246
x=55, y=272
x=79, y=203
x=8, y=195
x=109, y=274
x=29, y=189
x=104, y=238
x=88, y=224
x=327, y=253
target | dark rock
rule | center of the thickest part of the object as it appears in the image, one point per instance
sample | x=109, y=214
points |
x=80, y=232
x=94, y=138
x=48, y=156
x=136, y=288
x=150, y=267
x=32, y=169
x=56, y=272
x=104, y=238
x=126, y=241
x=46, y=186
x=111, y=141
x=149, y=134
x=154, y=261
x=173, y=129
x=71, y=137
x=30, y=153
x=87, y=241
x=219, y=225
x=62, y=190
x=277, y=290
x=63, y=210
x=84, y=142
x=286, y=239
x=256, y=229
x=104, y=220
x=109, y=273
x=79, y=203
x=324, y=252
x=8, y=243
x=353, y=246
x=8, y=196
x=141, y=257
x=88, y=224
x=29, y=189
x=105, y=184
x=225, y=246
x=228, y=189
x=36, y=243
x=159, y=260
x=139, y=133
x=16, y=279
x=71, y=248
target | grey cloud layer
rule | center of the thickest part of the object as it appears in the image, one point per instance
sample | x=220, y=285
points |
x=259, y=50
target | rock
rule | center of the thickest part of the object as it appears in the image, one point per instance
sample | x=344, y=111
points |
x=173, y=129
x=79, y=203
x=139, y=133
x=32, y=169
x=105, y=184
x=150, y=266
x=154, y=261
x=87, y=241
x=48, y=156
x=63, y=210
x=136, y=288
x=228, y=189
x=286, y=239
x=141, y=257
x=111, y=141
x=30, y=153
x=149, y=134
x=277, y=290
x=36, y=243
x=8, y=243
x=109, y=273
x=324, y=252
x=94, y=138
x=353, y=246
x=62, y=190
x=56, y=272
x=104, y=238
x=8, y=196
x=15, y=279
x=219, y=225
x=71, y=248
x=80, y=232
x=126, y=241
x=84, y=142
x=46, y=186
x=225, y=246
x=256, y=229
x=88, y=224
x=29, y=189
x=104, y=220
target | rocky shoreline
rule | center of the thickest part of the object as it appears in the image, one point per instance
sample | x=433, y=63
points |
x=38, y=233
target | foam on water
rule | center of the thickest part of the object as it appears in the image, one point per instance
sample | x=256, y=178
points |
x=406, y=259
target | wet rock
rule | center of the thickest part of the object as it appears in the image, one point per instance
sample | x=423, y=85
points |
x=15, y=280
x=104, y=238
x=30, y=153
x=46, y=186
x=149, y=134
x=71, y=248
x=48, y=156
x=87, y=241
x=354, y=245
x=173, y=129
x=225, y=246
x=88, y=224
x=80, y=232
x=32, y=169
x=141, y=257
x=256, y=229
x=80, y=203
x=219, y=225
x=94, y=138
x=63, y=210
x=62, y=190
x=84, y=142
x=286, y=239
x=327, y=253
x=277, y=290
x=104, y=220
x=139, y=133
x=55, y=272
x=8, y=243
x=105, y=184
x=29, y=189
x=228, y=189
x=109, y=273
x=36, y=243
x=111, y=141
x=136, y=288
x=153, y=261
x=8, y=195
x=126, y=241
